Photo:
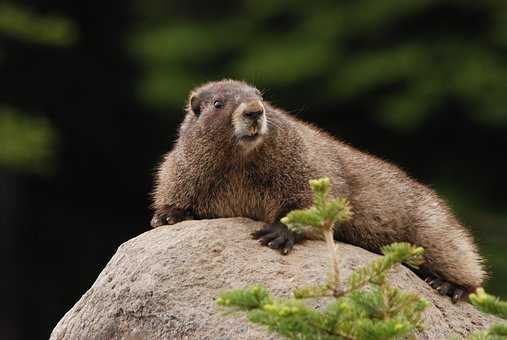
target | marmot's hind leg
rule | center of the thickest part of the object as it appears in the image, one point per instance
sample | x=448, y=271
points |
x=454, y=291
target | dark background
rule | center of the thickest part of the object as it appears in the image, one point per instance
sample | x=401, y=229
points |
x=91, y=93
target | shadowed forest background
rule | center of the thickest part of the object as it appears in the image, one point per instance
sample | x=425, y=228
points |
x=91, y=94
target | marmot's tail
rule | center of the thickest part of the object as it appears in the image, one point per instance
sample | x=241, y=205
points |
x=450, y=251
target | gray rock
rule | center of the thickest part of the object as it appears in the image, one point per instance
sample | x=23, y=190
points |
x=162, y=285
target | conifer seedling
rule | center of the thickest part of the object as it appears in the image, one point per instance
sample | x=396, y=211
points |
x=365, y=306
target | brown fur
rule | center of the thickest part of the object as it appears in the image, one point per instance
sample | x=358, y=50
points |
x=209, y=173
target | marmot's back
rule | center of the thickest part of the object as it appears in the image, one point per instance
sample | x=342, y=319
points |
x=389, y=206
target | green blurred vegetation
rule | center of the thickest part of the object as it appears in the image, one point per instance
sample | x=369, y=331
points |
x=21, y=23
x=27, y=142
x=491, y=305
x=350, y=48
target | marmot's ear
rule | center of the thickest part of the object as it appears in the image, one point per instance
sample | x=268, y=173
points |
x=196, y=101
x=195, y=104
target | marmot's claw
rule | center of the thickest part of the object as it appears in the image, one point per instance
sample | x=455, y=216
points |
x=170, y=216
x=277, y=236
x=436, y=283
x=444, y=288
x=156, y=221
x=459, y=294
x=261, y=232
x=454, y=291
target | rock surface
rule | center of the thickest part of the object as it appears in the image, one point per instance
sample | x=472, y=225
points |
x=162, y=285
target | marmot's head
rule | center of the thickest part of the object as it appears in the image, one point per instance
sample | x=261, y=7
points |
x=231, y=107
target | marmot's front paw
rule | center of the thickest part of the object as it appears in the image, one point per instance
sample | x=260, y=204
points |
x=277, y=236
x=170, y=216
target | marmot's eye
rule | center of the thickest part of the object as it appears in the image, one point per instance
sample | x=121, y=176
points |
x=218, y=104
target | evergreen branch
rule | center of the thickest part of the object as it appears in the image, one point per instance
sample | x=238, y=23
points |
x=312, y=291
x=324, y=214
x=245, y=299
x=300, y=220
x=336, y=211
x=489, y=303
x=498, y=330
x=376, y=270
x=294, y=320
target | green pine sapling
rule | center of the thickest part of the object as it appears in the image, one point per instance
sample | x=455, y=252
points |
x=378, y=312
x=323, y=216
x=491, y=305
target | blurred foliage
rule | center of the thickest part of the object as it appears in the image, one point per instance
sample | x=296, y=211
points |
x=24, y=25
x=27, y=142
x=492, y=305
x=350, y=49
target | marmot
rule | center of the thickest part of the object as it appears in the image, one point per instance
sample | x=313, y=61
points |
x=237, y=155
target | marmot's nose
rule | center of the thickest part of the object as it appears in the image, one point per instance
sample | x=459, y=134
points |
x=253, y=114
x=254, y=110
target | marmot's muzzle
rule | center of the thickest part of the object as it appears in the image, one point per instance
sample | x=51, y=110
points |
x=253, y=110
